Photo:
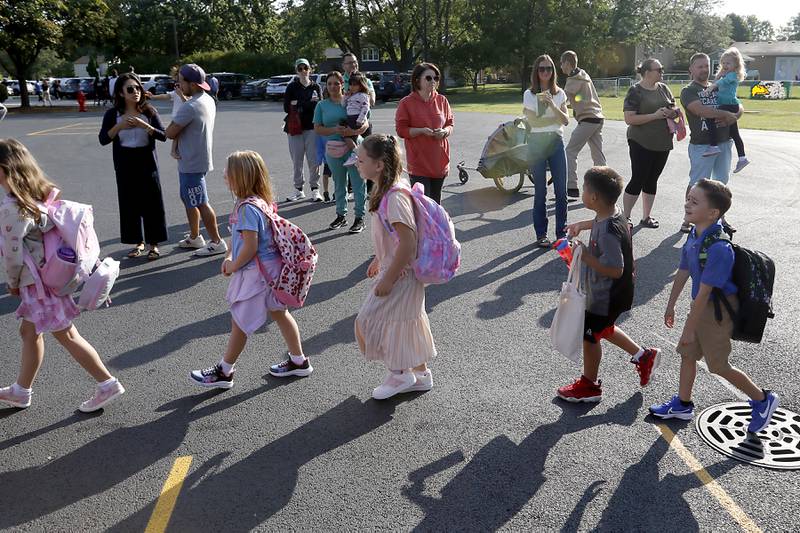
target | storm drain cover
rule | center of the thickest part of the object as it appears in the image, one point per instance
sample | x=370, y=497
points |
x=724, y=428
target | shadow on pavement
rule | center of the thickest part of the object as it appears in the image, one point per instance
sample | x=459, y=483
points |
x=502, y=477
x=262, y=484
x=107, y=460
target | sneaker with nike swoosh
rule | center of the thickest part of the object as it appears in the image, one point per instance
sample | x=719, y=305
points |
x=674, y=408
x=762, y=411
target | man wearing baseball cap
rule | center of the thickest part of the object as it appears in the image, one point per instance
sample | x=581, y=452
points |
x=193, y=127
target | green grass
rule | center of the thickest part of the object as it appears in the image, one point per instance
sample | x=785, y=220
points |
x=781, y=115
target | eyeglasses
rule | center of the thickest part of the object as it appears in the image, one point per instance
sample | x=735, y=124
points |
x=430, y=78
x=545, y=69
x=130, y=89
x=302, y=67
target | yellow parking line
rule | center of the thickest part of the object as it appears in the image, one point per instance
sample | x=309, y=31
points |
x=708, y=482
x=56, y=129
x=169, y=495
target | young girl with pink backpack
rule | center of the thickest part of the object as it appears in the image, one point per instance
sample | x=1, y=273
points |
x=271, y=264
x=414, y=244
x=23, y=223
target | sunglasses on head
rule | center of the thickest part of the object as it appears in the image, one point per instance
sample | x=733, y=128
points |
x=432, y=78
x=546, y=69
x=130, y=89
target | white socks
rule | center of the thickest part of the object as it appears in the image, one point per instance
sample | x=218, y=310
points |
x=227, y=368
x=107, y=383
x=299, y=360
x=638, y=355
x=16, y=388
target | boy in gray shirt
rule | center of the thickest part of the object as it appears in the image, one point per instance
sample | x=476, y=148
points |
x=193, y=126
x=607, y=272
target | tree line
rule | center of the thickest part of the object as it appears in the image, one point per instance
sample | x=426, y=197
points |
x=464, y=35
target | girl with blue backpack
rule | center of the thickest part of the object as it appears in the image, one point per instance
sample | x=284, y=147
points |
x=392, y=325
x=23, y=223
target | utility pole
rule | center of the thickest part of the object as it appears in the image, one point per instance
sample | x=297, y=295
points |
x=175, y=36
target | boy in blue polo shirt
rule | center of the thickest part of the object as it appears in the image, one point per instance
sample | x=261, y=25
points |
x=703, y=335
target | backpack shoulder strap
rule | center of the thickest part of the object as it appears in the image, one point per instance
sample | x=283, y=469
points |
x=708, y=241
x=383, y=208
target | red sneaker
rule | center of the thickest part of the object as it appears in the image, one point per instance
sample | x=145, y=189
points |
x=647, y=363
x=583, y=390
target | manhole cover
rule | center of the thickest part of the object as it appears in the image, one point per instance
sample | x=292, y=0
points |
x=724, y=428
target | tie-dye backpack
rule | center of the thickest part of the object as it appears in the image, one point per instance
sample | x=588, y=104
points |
x=438, y=250
x=297, y=253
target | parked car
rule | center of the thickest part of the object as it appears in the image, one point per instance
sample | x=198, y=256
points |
x=392, y=85
x=13, y=87
x=149, y=81
x=230, y=84
x=255, y=89
x=276, y=86
x=71, y=86
x=320, y=79
x=163, y=85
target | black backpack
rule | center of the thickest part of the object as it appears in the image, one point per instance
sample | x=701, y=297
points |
x=754, y=276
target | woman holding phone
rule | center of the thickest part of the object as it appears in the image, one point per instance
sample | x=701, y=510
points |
x=425, y=121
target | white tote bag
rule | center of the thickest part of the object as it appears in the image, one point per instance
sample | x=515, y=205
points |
x=566, y=332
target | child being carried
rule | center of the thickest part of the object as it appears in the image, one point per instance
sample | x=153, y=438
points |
x=357, y=105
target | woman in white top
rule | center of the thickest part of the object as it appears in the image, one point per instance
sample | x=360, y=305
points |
x=545, y=108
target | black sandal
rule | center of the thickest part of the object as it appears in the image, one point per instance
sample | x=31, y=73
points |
x=649, y=222
x=153, y=254
x=136, y=252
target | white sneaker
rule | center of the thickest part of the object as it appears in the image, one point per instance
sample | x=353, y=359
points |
x=213, y=248
x=394, y=384
x=349, y=197
x=424, y=381
x=188, y=242
x=299, y=195
x=316, y=196
x=9, y=397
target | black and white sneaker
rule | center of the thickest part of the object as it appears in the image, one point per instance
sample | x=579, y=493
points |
x=338, y=222
x=289, y=368
x=573, y=195
x=212, y=377
x=358, y=225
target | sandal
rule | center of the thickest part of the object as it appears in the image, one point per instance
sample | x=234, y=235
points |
x=136, y=252
x=153, y=254
x=649, y=222
x=543, y=242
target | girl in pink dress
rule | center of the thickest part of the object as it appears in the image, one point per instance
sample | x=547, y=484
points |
x=23, y=220
x=392, y=325
x=250, y=297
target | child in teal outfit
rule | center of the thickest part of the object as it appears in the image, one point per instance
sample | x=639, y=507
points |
x=730, y=73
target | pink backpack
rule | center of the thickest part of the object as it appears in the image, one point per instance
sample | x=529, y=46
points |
x=74, y=229
x=677, y=125
x=438, y=250
x=297, y=252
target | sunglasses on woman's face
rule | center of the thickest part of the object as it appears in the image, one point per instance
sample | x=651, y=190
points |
x=546, y=69
x=430, y=78
x=130, y=89
x=302, y=67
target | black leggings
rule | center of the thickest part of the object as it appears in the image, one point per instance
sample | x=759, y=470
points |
x=733, y=130
x=646, y=168
x=433, y=187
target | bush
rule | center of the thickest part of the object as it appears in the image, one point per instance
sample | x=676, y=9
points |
x=256, y=64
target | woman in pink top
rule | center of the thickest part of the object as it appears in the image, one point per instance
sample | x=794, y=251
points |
x=424, y=120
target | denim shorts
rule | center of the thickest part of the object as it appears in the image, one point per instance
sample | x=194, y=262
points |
x=193, y=188
x=716, y=167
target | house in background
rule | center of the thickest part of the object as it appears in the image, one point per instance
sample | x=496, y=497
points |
x=80, y=65
x=370, y=60
x=774, y=60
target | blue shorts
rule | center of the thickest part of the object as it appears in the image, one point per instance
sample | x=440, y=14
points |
x=193, y=188
x=717, y=167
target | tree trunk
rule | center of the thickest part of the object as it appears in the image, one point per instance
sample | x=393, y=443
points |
x=475, y=80
x=22, y=78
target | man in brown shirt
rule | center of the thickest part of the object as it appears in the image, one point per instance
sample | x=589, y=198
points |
x=588, y=112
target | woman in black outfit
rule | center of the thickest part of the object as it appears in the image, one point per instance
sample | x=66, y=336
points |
x=133, y=126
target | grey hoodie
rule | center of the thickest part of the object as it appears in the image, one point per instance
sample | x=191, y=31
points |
x=582, y=96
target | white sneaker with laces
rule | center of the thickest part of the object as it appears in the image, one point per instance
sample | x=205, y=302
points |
x=213, y=248
x=316, y=196
x=296, y=197
x=102, y=397
x=188, y=242
x=424, y=381
x=394, y=384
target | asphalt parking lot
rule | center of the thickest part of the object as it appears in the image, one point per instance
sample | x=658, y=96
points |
x=488, y=448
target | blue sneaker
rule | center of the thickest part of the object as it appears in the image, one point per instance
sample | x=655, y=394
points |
x=673, y=409
x=762, y=411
